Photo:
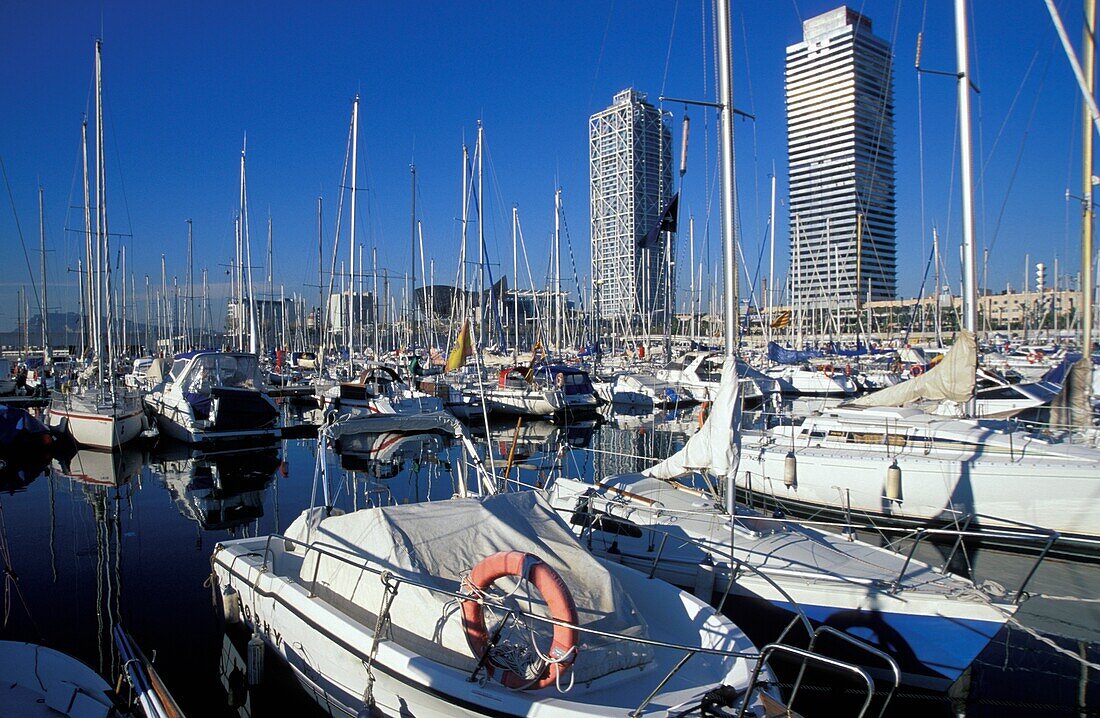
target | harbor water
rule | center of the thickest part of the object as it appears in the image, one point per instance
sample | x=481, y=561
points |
x=100, y=539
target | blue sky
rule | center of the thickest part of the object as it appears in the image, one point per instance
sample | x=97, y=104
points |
x=185, y=81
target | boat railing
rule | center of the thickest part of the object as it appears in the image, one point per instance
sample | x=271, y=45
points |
x=1042, y=540
x=392, y=583
x=388, y=577
x=807, y=656
x=825, y=630
x=1061, y=433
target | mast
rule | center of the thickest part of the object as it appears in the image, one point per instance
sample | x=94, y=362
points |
x=321, y=308
x=1086, y=181
x=480, y=151
x=269, y=309
x=45, y=300
x=515, y=281
x=691, y=246
x=191, y=339
x=88, y=298
x=101, y=195
x=557, y=272
x=769, y=300
x=247, y=242
x=729, y=186
x=412, y=259
x=970, y=289
x=351, y=241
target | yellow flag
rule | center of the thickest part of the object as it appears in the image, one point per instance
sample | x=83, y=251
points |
x=462, y=349
x=782, y=320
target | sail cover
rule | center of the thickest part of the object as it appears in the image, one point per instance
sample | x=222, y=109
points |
x=1071, y=407
x=715, y=447
x=781, y=355
x=438, y=543
x=953, y=378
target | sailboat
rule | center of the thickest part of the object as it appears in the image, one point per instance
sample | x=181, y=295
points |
x=97, y=412
x=882, y=459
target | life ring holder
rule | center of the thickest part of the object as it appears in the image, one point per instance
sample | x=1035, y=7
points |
x=563, y=649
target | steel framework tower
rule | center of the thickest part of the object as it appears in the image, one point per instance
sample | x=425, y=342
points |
x=840, y=140
x=630, y=162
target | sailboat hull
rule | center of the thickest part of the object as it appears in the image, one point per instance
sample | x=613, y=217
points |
x=102, y=427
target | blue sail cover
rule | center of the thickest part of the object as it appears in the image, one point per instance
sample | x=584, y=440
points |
x=781, y=355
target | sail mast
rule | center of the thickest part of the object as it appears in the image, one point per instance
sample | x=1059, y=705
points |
x=962, y=52
x=412, y=260
x=351, y=241
x=87, y=296
x=45, y=300
x=729, y=186
x=100, y=193
x=1087, y=178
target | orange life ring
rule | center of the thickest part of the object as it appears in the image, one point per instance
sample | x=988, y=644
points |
x=704, y=412
x=563, y=649
x=848, y=370
x=916, y=370
x=827, y=370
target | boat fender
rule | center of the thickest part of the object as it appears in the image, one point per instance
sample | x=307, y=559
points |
x=790, y=471
x=563, y=649
x=916, y=370
x=231, y=605
x=255, y=660
x=893, y=482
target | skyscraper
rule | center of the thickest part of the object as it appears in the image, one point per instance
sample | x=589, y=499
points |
x=630, y=163
x=840, y=143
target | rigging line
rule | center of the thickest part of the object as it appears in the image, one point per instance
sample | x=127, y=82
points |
x=752, y=110
x=19, y=231
x=121, y=182
x=1020, y=152
x=920, y=139
x=668, y=54
x=599, y=58
x=1012, y=107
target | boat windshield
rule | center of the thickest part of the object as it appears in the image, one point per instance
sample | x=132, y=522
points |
x=225, y=370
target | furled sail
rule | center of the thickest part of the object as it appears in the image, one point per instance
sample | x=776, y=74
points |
x=716, y=446
x=953, y=378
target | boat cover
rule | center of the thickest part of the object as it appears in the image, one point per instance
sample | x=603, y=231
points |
x=782, y=355
x=715, y=447
x=437, y=544
x=953, y=378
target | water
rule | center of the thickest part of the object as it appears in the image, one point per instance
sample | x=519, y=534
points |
x=127, y=538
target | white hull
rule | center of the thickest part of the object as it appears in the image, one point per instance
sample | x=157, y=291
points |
x=328, y=648
x=103, y=427
x=949, y=470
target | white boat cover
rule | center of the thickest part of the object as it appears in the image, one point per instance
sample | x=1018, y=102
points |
x=437, y=544
x=953, y=379
x=364, y=423
x=716, y=446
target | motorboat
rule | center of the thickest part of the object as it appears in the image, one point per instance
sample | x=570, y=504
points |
x=378, y=390
x=613, y=640
x=699, y=374
x=214, y=396
x=637, y=389
x=542, y=390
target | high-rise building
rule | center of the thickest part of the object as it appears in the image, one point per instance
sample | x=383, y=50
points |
x=840, y=143
x=630, y=162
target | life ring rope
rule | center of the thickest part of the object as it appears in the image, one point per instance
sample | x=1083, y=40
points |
x=563, y=649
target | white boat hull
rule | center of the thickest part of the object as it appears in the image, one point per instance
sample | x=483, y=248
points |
x=104, y=429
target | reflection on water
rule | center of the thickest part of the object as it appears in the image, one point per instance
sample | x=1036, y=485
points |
x=103, y=538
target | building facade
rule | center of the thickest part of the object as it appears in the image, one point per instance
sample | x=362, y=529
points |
x=630, y=164
x=840, y=140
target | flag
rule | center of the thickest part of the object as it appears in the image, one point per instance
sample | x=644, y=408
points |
x=462, y=349
x=782, y=320
x=666, y=224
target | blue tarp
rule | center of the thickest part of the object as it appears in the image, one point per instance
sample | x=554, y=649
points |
x=781, y=355
x=17, y=425
x=1057, y=375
